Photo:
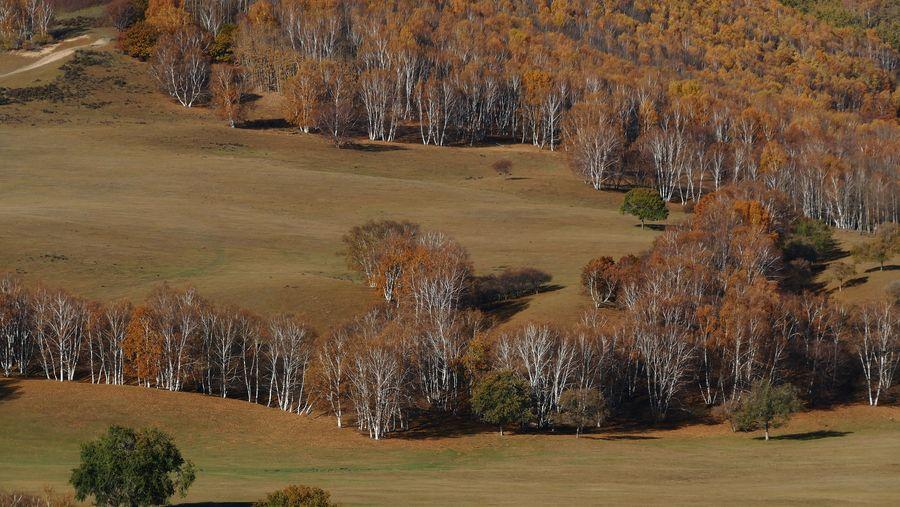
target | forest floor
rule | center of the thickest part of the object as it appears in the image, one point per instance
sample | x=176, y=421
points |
x=848, y=454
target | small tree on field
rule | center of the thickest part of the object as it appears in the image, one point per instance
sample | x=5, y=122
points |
x=841, y=272
x=765, y=406
x=297, y=496
x=885, y=244
x=131, y=468
x=227, y=85
x=582, y=407
x=645, y=204
x=502, y=398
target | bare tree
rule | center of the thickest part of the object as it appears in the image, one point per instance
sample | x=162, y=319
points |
x=878, y=347
x=287, y=361
x=16, y=327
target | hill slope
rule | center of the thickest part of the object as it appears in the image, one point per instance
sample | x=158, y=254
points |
x=242, y=451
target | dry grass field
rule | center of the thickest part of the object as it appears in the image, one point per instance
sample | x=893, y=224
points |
x=244, y=450
x=108, y=201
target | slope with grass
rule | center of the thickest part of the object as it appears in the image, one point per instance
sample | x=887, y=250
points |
x=243, y=451
x=109, y=194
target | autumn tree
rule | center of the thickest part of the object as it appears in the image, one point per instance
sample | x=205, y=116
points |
x=882, y=247
x=841, y=272
x=180, y=65
x=595, y=141
x=502, y=398
x=645, y=204
x=302, y=96
x=16, y=327
x=877, y=345
x=582, y=407
x=365, y=244
x=227, y=88
x=601, y=281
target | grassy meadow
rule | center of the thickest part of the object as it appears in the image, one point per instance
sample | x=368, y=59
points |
x=109, y=201
x=244, y=450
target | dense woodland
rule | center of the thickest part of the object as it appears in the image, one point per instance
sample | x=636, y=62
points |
x=708, y=311
x=685, y=97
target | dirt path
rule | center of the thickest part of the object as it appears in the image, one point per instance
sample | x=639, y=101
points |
x=56, y=56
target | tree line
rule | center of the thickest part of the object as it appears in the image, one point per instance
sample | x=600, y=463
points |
x=706, y=315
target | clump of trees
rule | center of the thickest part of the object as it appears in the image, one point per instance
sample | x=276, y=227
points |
x=128, y=467
x=25, y=23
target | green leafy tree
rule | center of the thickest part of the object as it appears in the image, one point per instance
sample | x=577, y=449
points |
x=811, y=240
x=131, y=468
x=766, y=406
x=645, y=204
x=883, y=246
x=297, y=496
x=502, y=398
x=582, y=407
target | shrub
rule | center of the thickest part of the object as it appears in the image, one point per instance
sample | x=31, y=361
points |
x=297, y=496
x=139, y=40
x=134, y=468
x=502, y=167
x=48, y=499
x=125, y=13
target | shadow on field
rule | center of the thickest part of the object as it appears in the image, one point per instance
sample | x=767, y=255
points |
x=809, y=435
x=264, y=124
x=652, y=227
x=8, y=390
x=374, y=148
x=888, y=267
x=614, y=438
x=440, y=427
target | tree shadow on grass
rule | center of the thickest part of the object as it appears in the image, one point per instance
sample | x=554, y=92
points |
x=9, y=390
x=616, y=438
x=265, y=124
x=652, y=227
x=809, y=435
x=436, y=427
x=887, y=267
x=373, y=147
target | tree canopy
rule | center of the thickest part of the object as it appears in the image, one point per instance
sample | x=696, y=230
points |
x=645, y=204
x=502, y=398
x=131, y=468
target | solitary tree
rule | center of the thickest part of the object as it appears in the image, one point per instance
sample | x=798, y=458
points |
x=502, y=398
x=841, y=272
x=582, y=407
x=131, y=468
x=645, y=204
x=227, y=87
x=766, y=406
x=883, y=246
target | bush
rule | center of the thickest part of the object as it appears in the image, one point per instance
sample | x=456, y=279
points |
x=139, y=40
x=297, y=496
x=134, y=468
x=125, y=13
x=48, y=499
x=502, y=167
